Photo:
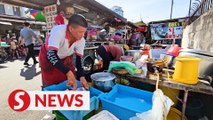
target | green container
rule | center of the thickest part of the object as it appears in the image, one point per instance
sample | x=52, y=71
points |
x=3, y=44
x=58, y=115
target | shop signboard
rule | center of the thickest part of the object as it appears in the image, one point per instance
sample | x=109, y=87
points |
x=166, y=30
x=141, y=29
x=50, y=13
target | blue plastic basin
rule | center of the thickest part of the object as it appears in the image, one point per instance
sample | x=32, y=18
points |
x=124, y=102
x=77, y=114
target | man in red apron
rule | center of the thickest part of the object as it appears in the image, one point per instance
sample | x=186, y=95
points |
x=55, y=55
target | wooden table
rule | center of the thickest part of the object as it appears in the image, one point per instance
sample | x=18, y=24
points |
x=199, y=87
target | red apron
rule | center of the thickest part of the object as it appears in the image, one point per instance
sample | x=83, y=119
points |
x=50, y=74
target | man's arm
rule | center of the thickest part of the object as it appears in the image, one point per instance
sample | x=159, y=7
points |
x=80, y=71
x=21, y=40
x=36, y=37
x=53, y=58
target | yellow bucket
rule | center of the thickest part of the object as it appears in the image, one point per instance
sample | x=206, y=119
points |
x=171, y=93
x=186, y=69
x=174, y=114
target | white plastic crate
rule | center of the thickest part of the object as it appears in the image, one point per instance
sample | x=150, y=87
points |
x=103, y=115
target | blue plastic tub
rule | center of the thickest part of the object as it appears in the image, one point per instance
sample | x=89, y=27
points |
x=76, y=114
x=124, y=102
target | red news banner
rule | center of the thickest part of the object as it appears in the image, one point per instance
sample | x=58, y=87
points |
x=20, y=100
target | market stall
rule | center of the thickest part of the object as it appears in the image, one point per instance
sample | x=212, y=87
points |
x=3, y=52
x=151, y=79
x=185, y=79
x=133, y=73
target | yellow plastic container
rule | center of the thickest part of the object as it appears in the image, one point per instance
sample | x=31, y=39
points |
x=171, y=93
x=175, y=114
x=186, y=69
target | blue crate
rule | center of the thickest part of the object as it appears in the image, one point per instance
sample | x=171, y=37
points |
x=124, y=102
x=77, y=114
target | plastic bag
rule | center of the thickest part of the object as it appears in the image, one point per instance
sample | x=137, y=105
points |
x=157, y=111
x=174, y=50
x=130, y=67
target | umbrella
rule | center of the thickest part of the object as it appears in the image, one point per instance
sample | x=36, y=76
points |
x=38, y=15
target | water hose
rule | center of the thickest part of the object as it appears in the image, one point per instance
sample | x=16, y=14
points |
x=156, y=88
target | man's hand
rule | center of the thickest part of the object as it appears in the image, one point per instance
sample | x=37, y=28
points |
x=40, y=41
x=71, y=80
x=83, y=82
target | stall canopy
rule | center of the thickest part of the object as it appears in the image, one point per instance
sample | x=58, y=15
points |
x=36, y=4
x=142, y=26
x=90, y=4
x=5, y=23
x=132, y=24
x=38, y=15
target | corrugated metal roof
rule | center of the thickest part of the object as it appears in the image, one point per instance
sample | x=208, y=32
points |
x=90, y=4
x=7, y=18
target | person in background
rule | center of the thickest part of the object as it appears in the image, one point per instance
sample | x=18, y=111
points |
x=60, y=18
x=27, y=35
x=22, y=49
x=109, y=53
x=102, y=35
x=55, y=55
x=146, y=50
x=128, y=37
x=14, y=48
x=117, y=37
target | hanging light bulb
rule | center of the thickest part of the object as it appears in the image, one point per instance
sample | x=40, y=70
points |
x=58, y=2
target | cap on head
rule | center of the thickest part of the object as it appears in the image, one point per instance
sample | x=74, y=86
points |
x=78, y=20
